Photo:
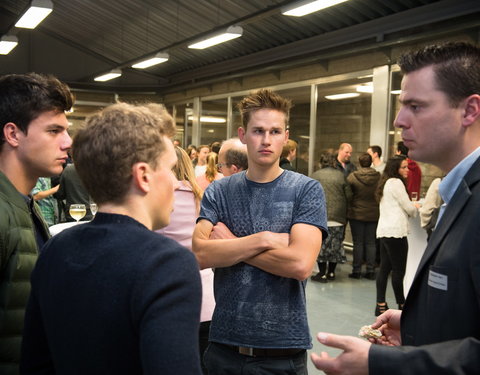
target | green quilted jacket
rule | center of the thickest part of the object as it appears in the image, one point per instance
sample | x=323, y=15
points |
x=18, y=254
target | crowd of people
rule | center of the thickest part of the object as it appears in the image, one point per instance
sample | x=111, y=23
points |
x=122, y=293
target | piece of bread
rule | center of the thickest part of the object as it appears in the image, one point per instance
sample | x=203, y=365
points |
x=368, y=332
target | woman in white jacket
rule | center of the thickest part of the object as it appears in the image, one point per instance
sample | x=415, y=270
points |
x=395, y=209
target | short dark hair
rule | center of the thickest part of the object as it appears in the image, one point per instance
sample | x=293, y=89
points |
x=327, y=159
x=376, y=149
x=456, y=66
x=215, y=147
x=365, y=160
x=237, y=157
x=263, y=99
x=24, y=97
x=402, y=148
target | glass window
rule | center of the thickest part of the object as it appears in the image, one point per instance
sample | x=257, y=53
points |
x=343, y=119
x=214, y=120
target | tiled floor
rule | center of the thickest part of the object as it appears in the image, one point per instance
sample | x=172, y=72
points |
x=341, y=306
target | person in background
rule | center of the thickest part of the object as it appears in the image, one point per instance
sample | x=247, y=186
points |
x=337, y=195
x=201, y=165
x=414, y=181
x=376, y=153
x=343, y=162
x=232, y=157
x=192, y=154
x=182, y=223
x=431, y=207
x=392, y=230
x=211, y=173
x=215, y=147
x=34, y=142
x=363, y=217
x=107, y=295
x=289, y=154
x=42, y=193
x=177, y=143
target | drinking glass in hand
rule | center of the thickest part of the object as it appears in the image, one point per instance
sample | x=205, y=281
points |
x=93, y=208
x=414, y=196
x=77, y=211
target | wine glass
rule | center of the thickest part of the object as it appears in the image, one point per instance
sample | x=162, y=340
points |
x=77, y=211
x=414, y=196
x=93, y=208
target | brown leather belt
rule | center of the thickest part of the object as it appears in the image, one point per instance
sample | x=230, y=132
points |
x=261, y=352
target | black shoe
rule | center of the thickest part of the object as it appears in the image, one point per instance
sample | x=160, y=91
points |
x=380, y=309
x=319, y=278
x=331, y=276
x=355, y=275
x=370, y=276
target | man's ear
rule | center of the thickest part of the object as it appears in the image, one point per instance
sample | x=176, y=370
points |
x=10, y=134
x=141, y=176
x=472, y=110
x=235, y=169
x=241, y=134
x=287, y=135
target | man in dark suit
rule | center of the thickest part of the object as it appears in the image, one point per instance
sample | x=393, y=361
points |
x=438, y=331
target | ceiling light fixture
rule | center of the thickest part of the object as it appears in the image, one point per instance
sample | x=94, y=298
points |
x=365, y=88
x=38, y=11
x=231, y=33
x=108, y=76
x=303, y=8
x=7, y=43
x=157, y=59
x=211, y=119
x=396, y=92
x=347, y=95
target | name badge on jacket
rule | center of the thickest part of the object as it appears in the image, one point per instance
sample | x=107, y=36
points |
x=437, y=280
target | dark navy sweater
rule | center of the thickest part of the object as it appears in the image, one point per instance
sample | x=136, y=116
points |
x=112, y=297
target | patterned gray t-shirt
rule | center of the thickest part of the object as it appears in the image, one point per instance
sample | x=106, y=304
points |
x=253, y=307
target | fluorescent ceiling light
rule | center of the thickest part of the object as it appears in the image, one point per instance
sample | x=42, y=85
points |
x=365, y=88
x=347, y=95
x=157, y=59
x=7, y=43
x=306, y=7
x=38, y=11
x=231, y=33
x=110, y=75
x=212, y=119
x=396, y=92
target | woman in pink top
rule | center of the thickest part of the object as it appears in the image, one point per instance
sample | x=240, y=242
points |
x=211, y=174
x=182, y=224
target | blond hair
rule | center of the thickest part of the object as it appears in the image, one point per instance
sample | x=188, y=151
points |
x=211, y=171
x=183, y=170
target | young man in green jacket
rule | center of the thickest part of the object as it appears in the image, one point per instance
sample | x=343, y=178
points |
x=33, y=143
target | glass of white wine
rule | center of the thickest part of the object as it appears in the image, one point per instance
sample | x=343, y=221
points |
x=77, y=211
x=414, y=196
x=93, y=208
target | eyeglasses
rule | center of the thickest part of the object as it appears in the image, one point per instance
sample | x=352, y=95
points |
x=221, y=165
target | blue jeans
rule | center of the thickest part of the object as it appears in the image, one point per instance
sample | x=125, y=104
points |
x=363, y=235
x=221, y=360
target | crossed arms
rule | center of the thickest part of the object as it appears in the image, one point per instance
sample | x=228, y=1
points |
x=288, y=255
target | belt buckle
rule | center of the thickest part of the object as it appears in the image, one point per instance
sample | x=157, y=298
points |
x=246, y=351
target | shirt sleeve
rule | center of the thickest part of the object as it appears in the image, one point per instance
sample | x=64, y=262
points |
x=311, y=207
x=209, y=209
x=400, y=194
